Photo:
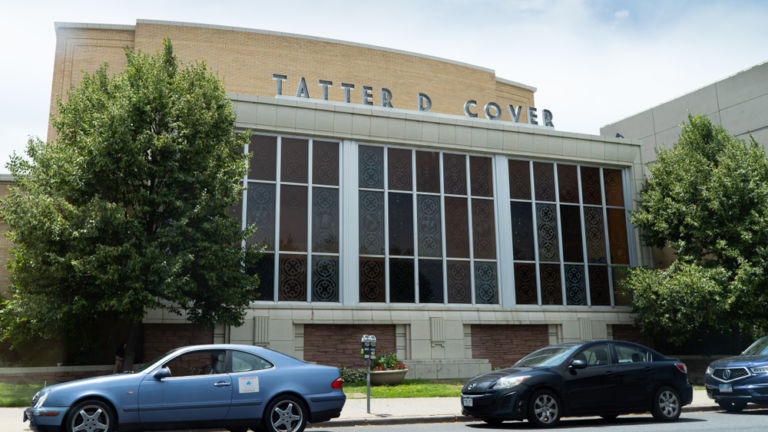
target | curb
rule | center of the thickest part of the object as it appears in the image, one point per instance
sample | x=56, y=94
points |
x=384, y=421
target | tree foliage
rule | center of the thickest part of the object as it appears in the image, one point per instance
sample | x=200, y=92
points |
x=127, y=209
x=706, y=199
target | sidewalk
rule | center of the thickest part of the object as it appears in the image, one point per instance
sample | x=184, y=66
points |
x=383, y=411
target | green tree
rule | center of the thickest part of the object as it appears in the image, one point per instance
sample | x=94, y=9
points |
x=706, y=199
x=127, y=209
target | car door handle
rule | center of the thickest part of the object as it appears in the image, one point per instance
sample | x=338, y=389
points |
x=222, y=384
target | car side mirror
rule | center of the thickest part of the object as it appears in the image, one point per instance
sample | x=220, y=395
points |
x=162, y=373
x=577, y=364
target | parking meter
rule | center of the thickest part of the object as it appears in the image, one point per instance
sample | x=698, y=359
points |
x=368, y=349
x=368, y=352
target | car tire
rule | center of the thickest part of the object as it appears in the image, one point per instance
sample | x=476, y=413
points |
x=544, y=409
x=95, y=415
x=732, y=406
x=285, y=413
x=493, y=421
x=666, y=404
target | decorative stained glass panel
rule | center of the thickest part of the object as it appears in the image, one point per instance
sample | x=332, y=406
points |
x=481, y=176
x=371, y=167
x=590, y=186
x=457, y=236
x=325, y=278
x=401, y=285
x=265, y=268
x=429, y=224
x=293, y=278
x=455, y=173
x=293, y=160
x=325, y=163
x=372, y=280
x=525, y=284
x=570, y=224
x=261, y=212
x=522, y=231
x=614, y=188
x=427, y=171
x=551, y=289
x=293, y=218
x=617, y=233
x=371, y=223
x=568, y=183
x=459, y=281
x=430, y=281
x=599, y=291
x=399, y=169
x=595, y=234
x=575, y=286
x=483, y=229
x=544, y=181
x=400, y=224
x=519, y=179
x=325, y=220
x=263, y=162
x=546, y=219
x=486, y=291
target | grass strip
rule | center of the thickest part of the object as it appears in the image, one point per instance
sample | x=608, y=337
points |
x=17, y=395
x=408, y=389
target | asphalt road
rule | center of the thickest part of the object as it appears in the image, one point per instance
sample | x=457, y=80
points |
x=749, y=420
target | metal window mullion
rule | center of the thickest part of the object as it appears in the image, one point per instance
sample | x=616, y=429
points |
x=310, y=212
x=583, y=238
x=504, y=253
x=415, y=233
x=561, y=253
x=607, y=240
x=278, y=173
x=535, y=230
x=385, y=187
x=495, y=229
x=468, y=173
x=442, y=229
x=632, y=240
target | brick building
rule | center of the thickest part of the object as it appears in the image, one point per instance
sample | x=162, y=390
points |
x=423, y=200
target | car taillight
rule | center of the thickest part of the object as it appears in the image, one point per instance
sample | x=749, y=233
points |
x=338, y=384
x=682, y=367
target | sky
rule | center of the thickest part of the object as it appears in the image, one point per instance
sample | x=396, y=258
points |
x=592, y=62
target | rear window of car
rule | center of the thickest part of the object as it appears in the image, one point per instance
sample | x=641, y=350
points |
x=632, y=354
x=243, y=362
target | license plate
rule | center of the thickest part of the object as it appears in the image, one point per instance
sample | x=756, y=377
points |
x=466, y=401
x=726, y=388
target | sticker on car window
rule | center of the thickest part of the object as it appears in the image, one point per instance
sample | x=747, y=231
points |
x=248, y=384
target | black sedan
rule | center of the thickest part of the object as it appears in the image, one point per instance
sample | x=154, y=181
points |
x=604, y=378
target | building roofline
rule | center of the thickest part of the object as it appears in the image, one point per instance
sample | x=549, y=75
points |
x=63, y=25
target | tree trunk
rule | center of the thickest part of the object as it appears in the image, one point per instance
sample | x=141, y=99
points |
x=130, y=349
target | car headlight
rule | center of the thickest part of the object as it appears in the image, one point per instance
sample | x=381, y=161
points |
x=510, y=381
x=41, y=400
x=759, y=370
x=709, y=370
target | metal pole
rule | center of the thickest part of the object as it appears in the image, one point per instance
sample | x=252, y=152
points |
x=368, y=384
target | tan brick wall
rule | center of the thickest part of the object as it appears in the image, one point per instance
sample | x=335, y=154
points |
x=503, y=345
x=339, y=345
x=246, y=60
x=160, y=338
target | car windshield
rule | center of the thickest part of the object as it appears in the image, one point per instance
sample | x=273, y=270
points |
x=760, y=347
x=547, y=357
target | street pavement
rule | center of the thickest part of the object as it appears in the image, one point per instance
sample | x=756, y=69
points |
x=383, y=411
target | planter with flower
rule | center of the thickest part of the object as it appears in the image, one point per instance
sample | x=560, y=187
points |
x=387, y=370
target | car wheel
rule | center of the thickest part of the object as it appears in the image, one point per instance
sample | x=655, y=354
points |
x=285, y=414
x=666, y=404
x=493, y=421
x=732, y=406
x=90, y=416
x=544, y=409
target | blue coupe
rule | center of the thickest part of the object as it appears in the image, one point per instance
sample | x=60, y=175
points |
x=204, y=386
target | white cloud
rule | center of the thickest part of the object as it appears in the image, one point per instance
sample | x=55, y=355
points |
x=621, y=14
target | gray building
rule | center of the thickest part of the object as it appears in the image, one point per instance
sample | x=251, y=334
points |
x=738, y=103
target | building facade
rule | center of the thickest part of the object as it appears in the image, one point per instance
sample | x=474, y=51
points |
x=425, y=201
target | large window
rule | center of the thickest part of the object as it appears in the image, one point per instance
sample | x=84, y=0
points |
x=293, y=199
x=568, y=232
x=406, y=198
